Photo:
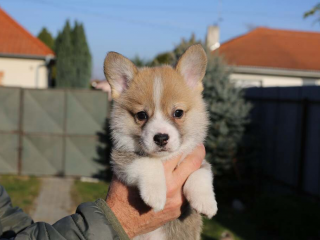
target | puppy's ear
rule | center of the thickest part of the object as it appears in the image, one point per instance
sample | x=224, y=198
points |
x=192, y=66
x=119, y=72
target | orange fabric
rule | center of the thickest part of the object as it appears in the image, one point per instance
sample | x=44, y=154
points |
x=273, y=48
x=14, y=39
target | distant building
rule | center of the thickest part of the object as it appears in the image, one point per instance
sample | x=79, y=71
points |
x=24, y=60
x=270, y=57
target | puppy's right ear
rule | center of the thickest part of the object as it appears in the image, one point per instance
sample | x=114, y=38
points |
x=119, y=72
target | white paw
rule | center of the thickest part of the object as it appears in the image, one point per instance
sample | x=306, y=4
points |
x=205, y=204
x=200, y=195
x=198, y=190
x=154, y=195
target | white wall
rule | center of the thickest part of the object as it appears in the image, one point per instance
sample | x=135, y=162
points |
x=22, y=73
x=248, y=80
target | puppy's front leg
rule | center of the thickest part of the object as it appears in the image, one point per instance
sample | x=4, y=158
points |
x=198, y=190
x=148, y=175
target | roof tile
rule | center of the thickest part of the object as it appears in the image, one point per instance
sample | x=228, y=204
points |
x=273, y=48
x=14, y=39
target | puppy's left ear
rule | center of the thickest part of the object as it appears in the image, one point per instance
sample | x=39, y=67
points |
x=192, y=66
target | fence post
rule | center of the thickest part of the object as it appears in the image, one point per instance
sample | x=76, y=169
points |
x=303, y=134
x=20, y=132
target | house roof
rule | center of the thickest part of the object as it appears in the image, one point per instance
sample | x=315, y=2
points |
x=274, y=48
x=15, y=40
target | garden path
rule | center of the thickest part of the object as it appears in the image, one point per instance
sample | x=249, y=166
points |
x=54, y=201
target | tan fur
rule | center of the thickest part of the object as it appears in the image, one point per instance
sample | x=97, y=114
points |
x=133, y=91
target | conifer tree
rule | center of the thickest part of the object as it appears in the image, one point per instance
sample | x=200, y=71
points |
x=82, y=57
x=46, y=37
x=139, y=62
x=164, y=58
x=73, y=57
x=66, y=74
x=57, y=42
x=228, y=112
x=183, y=46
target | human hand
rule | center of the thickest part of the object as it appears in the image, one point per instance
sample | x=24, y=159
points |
x=134, y=215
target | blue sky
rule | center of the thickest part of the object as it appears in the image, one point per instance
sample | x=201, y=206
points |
x=149, y=27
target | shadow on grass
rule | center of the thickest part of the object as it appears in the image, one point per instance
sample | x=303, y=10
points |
x=230, y=221
x=205, y=237
x=238, y=223
x=276, y=217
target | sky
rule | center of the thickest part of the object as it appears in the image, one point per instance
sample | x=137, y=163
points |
x=146, y=28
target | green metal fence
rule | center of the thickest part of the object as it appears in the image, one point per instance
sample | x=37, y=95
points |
x=52, y=132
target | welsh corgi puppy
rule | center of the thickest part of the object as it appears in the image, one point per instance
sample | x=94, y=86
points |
x=159, y=113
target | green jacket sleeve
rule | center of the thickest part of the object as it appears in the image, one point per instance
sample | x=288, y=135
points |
x=92, y=221
x=12, y=219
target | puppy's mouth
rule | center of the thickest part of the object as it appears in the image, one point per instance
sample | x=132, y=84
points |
x=163, y=149
x=159, y=151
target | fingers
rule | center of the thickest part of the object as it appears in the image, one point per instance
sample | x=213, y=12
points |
x=171, y=164
x=190, y=164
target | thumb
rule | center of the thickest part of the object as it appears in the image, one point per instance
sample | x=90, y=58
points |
x=190, y=164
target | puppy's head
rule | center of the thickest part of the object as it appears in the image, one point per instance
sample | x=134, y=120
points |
x=157, y=111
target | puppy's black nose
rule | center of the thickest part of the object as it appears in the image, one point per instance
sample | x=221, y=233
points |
x=161, y=139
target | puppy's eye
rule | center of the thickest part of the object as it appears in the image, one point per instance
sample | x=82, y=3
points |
x=178, y=113
x=141, y=116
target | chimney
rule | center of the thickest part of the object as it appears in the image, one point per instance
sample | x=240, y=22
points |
x=212, y=39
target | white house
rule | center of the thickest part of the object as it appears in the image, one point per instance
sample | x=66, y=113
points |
x=24, y=60
x=270, y=57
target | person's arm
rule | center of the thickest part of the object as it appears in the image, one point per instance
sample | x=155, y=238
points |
x=92, y=221
x=126, y=216
x=12, y=219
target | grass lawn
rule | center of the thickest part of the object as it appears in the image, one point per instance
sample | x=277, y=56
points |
x=22, y=189
x=237, y=224
x=87, y=192
x=213, y=230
